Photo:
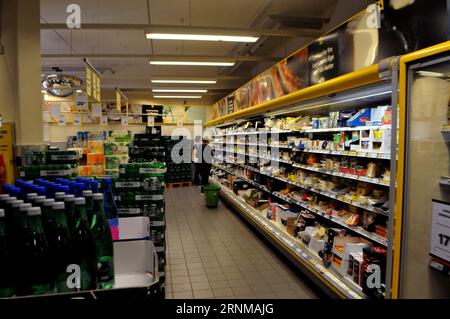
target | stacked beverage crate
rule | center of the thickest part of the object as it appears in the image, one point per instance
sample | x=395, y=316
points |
x=178, y=171
x=139, y=191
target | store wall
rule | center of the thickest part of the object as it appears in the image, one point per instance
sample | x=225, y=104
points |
x=20, y=69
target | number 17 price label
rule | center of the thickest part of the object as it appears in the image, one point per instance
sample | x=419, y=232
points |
x=440, y=230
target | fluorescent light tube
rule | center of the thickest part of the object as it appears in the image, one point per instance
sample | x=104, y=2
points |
x=186, y=81
x=177, y=96
x=192, y=63
x=178, y=91
x=200, y=37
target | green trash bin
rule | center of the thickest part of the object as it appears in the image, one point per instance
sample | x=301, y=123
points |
x=211, y=192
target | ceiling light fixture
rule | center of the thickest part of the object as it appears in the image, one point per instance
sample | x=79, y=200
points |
x=177, y=96
x=178, y=91
x=185, y=81
x=193, y=63
x=200, y=37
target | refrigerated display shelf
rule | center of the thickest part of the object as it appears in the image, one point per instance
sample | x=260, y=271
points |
x=329, y=194
x=377, y=181
x=358, y=230
x=373, y=155
x=314, y=130
x=307, y=259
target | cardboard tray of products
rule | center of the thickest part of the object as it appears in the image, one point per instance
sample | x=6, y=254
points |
x=136, y=276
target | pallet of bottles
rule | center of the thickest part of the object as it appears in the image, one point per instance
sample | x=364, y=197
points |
x=56, y=231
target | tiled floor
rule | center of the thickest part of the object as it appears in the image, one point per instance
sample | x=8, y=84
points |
x=213, y=253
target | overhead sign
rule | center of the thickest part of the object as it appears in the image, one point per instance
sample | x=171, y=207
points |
x=93, y=82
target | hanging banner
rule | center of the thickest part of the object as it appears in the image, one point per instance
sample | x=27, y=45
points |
x=385, y=29
x=93, y=82
x=6, y=153
x=118, y=100
x=55, y=111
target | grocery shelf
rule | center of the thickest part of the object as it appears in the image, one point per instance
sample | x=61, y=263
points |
x=346, y=129
x=374, y=155
x=329, y=194
x=358, y=230
x=296, y=251
x=256, y=132
x=347, y=153
x=377, y=181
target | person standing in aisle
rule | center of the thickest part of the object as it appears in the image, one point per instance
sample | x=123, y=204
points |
x=196, y=154
x=206, y=163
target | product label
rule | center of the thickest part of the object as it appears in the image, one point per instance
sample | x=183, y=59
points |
x=157, y=223
x=128, y=184
x=149, y=197
x=67, y=157
x=149, y=170
x=55, y=173
x=129, y=211
x=122, y=170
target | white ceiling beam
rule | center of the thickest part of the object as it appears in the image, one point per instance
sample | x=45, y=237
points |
x=177, y=29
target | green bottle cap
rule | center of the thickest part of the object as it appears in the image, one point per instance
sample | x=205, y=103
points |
x=34, y=211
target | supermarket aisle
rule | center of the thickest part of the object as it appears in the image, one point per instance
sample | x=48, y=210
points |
x=212, y=253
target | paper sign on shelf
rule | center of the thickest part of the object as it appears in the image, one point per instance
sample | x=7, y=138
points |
x=104, y=120
x=124, y=120
x=62, y=120
x=77, y=119
x=150, y=121
x=55, y=110
x=180, y=122
x=440, y=230
x=96, y=109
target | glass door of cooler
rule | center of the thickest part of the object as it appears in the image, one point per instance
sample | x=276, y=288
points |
x=425, y=245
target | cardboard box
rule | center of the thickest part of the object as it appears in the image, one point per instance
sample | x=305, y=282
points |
x=134, y=228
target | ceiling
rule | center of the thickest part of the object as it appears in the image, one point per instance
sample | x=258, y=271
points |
x=65, y=48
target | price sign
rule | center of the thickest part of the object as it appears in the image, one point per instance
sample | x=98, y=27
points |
x=440, y=230
x=104, y=120
x=124, y=120
x=150, y=121
x=77, y=119
x=62, y=120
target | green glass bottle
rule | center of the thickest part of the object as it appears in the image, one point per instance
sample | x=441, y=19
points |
x=7, y=288
x=60, y=246
x=87, y=194
x=69, y=202
x=103, y=244
x=84, y=246
x=36, y=272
